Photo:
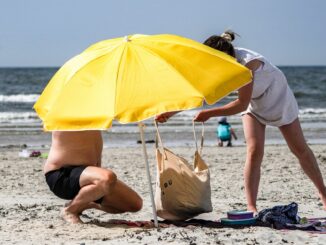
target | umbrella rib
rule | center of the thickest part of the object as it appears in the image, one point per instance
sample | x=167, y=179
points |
x=167, y=63
x=117, y=78
x=205, y=48
x=208, y=50
x=202, y=97
x=97, y=57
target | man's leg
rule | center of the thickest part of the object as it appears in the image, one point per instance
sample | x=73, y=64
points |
x=95, y=183
x=121, y=199
x=294, y=137
x=254, y=133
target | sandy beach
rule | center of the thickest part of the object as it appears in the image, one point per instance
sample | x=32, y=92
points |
x=29, y=212
x=117, y=66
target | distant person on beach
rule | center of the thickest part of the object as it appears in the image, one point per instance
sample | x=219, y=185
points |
x=267, y=100
x=73, y=172
x=224, y=132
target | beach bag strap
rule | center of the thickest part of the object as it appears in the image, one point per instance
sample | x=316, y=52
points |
x=202, y=137
x=158, y=139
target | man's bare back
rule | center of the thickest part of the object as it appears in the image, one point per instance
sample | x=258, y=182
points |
x=77, y=148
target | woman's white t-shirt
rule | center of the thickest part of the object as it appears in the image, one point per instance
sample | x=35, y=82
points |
x=272, y=101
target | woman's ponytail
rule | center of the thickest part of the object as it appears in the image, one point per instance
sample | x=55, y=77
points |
x=228, y=35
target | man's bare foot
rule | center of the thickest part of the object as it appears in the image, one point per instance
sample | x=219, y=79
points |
x=70, y=217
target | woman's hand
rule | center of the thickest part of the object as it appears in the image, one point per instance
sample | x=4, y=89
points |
x=165, y=116
x=202, y=116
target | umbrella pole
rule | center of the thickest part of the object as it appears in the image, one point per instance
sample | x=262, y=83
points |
x=141, y=129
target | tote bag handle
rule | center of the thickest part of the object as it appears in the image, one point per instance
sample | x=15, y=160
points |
x=159, y=139
x=202, y=136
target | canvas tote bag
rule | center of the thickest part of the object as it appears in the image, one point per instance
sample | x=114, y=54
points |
x=182, y=190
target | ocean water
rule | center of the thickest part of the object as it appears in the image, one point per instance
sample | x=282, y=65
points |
x=20, y=88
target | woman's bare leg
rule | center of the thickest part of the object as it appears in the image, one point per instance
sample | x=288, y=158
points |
x=294, y=137
x=254, y=133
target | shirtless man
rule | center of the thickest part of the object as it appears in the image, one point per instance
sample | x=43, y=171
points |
x=73, y=172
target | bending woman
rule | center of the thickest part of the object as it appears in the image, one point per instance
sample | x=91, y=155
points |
x=267, y=100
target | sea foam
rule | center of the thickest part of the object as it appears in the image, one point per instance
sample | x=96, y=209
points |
x=22, y=98
x=18, y=117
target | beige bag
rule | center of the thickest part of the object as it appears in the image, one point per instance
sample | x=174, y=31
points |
x=182, y=191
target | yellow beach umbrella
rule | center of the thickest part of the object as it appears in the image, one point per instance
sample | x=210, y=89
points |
x=134, y=78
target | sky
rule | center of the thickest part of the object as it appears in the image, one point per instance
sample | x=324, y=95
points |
x=45, y=33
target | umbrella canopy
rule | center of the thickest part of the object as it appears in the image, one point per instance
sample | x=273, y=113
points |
x=134, y=78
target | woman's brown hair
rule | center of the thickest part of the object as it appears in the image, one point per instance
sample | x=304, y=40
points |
x=222, y=43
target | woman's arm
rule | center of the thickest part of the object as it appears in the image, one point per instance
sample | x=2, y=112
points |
x=233, y=107
x=236, y=106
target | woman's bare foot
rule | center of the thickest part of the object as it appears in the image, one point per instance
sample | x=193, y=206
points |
x=323, y=200
x=70, y=217
x=252, y=209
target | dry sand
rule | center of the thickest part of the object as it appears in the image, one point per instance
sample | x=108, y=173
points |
x=29, y=211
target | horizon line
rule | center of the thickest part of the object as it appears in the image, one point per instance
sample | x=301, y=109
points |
x=30, y=67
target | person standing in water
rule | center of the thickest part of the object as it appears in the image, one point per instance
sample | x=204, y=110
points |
x=267, y=100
